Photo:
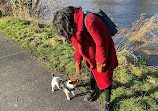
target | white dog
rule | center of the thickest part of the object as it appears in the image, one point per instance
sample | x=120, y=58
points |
x=66, y=86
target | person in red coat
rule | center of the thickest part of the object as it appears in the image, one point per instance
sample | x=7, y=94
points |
x=95, y=46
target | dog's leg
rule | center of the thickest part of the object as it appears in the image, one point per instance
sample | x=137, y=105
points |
x=67, y=94
x=53, y=86
x=73, y=93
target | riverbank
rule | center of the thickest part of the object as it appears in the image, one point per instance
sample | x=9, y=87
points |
x=135, y=85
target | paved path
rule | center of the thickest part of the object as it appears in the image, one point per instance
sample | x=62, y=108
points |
x=25, y=83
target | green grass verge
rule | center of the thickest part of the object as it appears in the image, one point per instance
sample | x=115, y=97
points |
x=135, y=88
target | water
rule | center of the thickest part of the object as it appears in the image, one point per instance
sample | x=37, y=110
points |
x=123, y=12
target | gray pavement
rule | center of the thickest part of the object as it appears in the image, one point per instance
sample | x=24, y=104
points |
x=25, y=83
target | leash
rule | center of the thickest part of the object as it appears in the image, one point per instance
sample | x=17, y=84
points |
x=68, y=88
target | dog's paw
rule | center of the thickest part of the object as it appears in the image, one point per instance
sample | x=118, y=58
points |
x=68, y=99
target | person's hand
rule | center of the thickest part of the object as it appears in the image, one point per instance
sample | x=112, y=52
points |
x=78, y=72
x=101, y=67
x=78, y=67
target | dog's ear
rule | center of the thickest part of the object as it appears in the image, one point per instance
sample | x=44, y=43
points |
x=52, y=74
x=70, y=77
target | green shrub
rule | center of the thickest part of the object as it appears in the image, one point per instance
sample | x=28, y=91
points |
x=124, y=76
x=132, y=104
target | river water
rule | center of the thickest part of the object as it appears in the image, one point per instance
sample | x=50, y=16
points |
x=123, y=12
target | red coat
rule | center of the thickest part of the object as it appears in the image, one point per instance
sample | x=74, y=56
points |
x=96, y=46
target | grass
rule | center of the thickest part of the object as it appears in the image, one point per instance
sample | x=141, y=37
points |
x=135, y=86
x=43, y=42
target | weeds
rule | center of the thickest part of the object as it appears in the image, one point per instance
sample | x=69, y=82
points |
x=142, y=37
x=5, y=8
x=32, y=10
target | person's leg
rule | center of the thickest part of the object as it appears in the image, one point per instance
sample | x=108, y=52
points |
x=107, y=93
x=91, y=96
x=107, y=98
x=92, y=81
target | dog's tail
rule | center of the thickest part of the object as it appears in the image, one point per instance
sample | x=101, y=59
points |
x=52, y=74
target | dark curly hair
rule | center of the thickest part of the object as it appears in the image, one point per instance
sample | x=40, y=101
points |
x=63, y=22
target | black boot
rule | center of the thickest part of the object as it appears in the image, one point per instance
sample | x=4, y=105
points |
x=91, y=96
x=107, y=107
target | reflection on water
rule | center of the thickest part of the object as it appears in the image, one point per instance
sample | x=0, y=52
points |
x=124, y=12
